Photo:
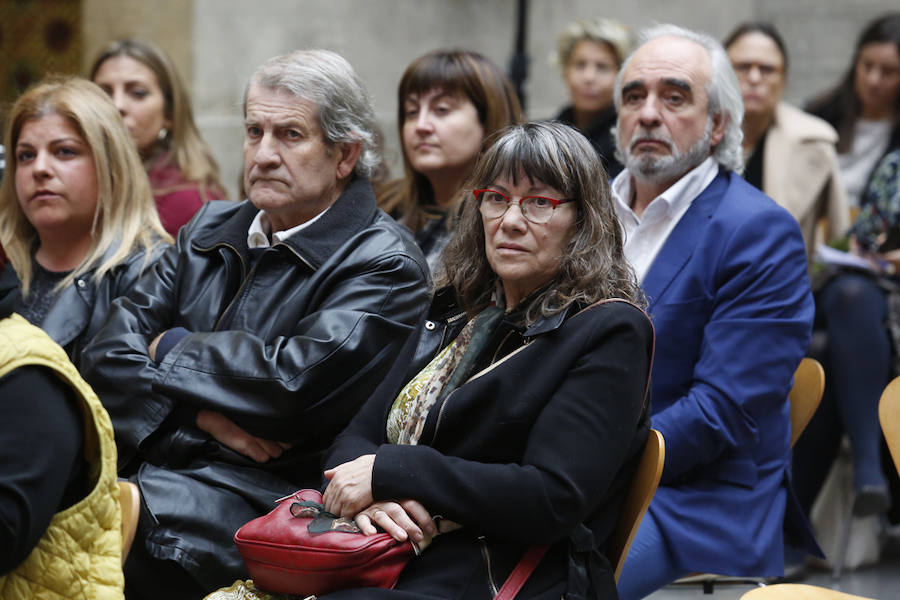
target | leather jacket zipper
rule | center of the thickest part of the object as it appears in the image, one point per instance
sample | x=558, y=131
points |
x=243, y=283
x=297, y=254
x=487, y=559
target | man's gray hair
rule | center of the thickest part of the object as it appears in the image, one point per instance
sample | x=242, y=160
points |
x=327, y=80
x=723, y=91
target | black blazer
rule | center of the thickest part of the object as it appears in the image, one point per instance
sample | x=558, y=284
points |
x=538, y=448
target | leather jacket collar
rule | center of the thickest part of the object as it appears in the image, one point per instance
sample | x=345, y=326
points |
x=351, y=212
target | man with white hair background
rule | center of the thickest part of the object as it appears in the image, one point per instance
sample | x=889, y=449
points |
x=724, y=270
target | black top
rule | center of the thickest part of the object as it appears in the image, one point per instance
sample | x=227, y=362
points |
x=42, y=468
x=599, y=133
x=42, y=294
x=753, y=169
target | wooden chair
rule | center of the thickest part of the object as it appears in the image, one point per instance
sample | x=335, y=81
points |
x=804, y=398
x=796, y=591
x=130, y=499
x=640, y=492
x=805, y=395
x=889, y=415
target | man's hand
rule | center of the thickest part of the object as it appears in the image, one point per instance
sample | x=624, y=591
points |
x=227, y=433
x=349, y=489
x=403, y=519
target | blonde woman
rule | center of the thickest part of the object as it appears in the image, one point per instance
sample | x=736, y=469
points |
x=590, y=52
x=146, y=88
x=77, y=219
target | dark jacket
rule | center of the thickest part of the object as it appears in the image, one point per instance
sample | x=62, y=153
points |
x=81, y=308
x=526, y=452
x=599, y=134
x=287, y=342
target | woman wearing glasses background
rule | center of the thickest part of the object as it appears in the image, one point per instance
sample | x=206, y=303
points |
x=790, y=155
x=525, y=423
x=448, y=103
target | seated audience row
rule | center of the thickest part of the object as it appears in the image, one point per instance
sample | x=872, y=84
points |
x=230, y=366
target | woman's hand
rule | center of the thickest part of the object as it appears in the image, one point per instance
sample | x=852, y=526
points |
x=349, y=489
x=402, y=520
x=227, y=433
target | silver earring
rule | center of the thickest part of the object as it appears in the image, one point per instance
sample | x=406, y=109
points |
x=161, y=136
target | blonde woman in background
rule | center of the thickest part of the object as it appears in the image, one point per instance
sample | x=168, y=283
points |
x=146, y=88
x=590, y=52
x=77, y=219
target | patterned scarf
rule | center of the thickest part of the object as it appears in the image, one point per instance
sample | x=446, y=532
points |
x=447, y=371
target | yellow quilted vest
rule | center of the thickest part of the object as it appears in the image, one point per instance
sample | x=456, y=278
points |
x=79, y=556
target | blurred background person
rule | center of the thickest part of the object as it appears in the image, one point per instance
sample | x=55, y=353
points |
x=865, y=106
x=146, y=88
x=853, y=306
x=448, y=103
x=789, y=154
x=590, y=52
x=77, y=219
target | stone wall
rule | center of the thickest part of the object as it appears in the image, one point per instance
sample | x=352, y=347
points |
x=218, y=43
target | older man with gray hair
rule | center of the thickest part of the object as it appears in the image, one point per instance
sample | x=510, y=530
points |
x=252, y=342
x=724, y=271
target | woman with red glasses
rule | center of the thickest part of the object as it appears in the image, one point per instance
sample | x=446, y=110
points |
x=524, y=411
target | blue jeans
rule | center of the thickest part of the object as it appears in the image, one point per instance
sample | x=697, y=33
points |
x=857, y=360
x=649, y=565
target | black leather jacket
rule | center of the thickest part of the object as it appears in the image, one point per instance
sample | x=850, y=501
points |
x=81, y=308
x=287, y=342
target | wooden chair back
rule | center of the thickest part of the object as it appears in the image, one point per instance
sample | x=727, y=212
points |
x=805, y=395
x=889, y=415
x=130, y=499
x=796, y=591
x=640, y=492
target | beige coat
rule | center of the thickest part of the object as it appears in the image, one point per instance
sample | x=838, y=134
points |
x=800, y=172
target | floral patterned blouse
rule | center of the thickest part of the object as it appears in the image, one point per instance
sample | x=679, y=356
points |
x=880, y=210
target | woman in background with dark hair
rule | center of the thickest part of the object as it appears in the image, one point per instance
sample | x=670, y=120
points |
x=789, y=154
x=146, y=88
x=448, y=103
x=853, y=306
x=865, y=107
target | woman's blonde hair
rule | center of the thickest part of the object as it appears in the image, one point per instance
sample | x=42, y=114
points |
x=462, y=72
x=125, y=218
x=187, y=149
x=617, y=36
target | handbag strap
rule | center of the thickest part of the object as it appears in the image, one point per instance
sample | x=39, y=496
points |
x=521, y=573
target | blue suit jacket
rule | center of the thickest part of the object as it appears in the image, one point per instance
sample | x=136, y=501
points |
x=730, y=300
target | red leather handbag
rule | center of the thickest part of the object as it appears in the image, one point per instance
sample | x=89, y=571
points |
x=298, y=548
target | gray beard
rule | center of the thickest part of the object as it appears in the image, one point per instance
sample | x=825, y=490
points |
x=649, y=168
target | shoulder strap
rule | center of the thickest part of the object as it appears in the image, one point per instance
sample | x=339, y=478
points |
x=521, y=573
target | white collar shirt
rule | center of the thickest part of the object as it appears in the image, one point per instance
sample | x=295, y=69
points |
x=258, y=234
x=646, y=235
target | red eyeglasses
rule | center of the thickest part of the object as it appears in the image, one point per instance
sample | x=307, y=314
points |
x=537, y=209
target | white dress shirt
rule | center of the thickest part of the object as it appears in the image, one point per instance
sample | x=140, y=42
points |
x=258, y=234
x=645, y=236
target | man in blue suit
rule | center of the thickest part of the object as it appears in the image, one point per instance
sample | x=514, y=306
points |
x=724, y=270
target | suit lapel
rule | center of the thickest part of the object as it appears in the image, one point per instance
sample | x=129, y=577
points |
x=680, y=244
